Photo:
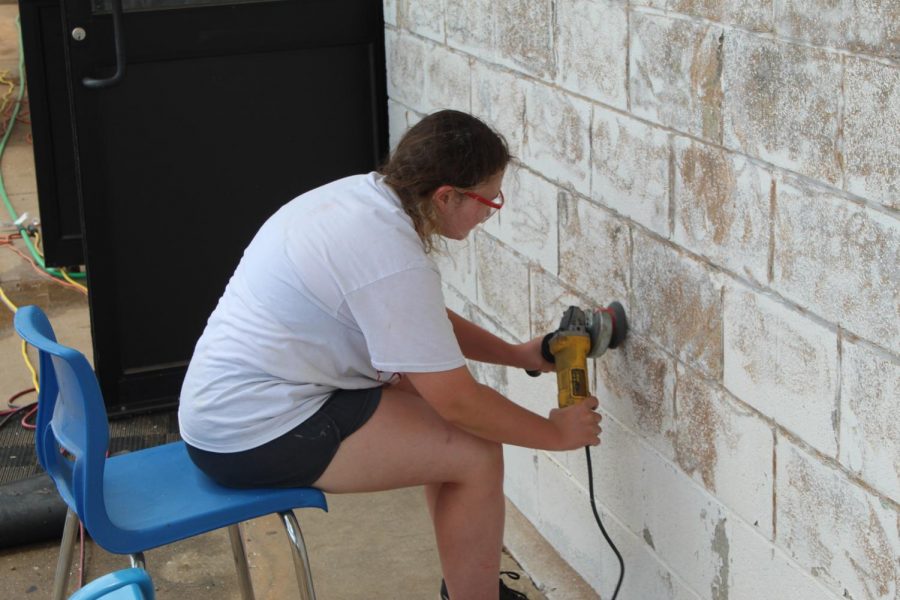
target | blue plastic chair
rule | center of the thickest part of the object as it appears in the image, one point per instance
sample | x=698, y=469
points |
x=144, y=499
x=127, y=584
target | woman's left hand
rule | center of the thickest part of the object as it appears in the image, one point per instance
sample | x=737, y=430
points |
x=530, y=357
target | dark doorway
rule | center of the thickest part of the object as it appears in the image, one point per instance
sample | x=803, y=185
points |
x=225, y=111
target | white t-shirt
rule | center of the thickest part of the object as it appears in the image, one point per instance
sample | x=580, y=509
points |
x=334, y=292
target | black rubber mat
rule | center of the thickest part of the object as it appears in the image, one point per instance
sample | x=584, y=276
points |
x=18, y=459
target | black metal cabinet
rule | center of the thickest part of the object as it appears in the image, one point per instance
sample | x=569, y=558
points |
x=224, y=113
x=50, y=106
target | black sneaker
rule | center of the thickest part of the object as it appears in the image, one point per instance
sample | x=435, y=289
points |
x=505, y=592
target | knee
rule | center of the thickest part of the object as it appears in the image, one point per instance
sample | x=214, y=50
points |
x=490, y=459
x=474, y=459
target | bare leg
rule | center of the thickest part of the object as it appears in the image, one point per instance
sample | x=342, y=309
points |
x=406, y=443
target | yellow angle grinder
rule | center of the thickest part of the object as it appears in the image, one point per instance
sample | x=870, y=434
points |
x=582, y=334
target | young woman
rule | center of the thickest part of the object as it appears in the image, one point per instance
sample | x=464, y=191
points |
x=332, y=361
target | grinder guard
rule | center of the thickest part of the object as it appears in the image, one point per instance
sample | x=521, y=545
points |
x=581, y=335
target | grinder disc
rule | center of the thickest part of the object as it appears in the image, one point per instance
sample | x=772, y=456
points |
x=620, y=324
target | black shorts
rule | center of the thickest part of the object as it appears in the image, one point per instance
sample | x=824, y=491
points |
x=299, y=457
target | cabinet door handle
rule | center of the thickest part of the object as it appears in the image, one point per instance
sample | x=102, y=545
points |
x=92, y=83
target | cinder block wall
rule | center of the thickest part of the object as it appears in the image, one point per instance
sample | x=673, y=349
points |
x=730, y=171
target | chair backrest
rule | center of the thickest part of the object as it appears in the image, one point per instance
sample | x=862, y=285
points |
x=130, y=584
x=72, y=433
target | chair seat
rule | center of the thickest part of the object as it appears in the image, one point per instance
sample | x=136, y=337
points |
x=157, y=496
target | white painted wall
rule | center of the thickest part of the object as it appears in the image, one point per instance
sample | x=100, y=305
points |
x=730, y=171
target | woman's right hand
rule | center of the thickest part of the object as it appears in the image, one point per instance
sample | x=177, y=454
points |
x=577, y=425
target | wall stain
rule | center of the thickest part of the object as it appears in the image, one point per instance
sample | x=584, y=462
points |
x=570, y=221
x=801, y=352
x=524, y=34
x=711, y=178
x=688, y=310
x=619, y=269
x=571, y=136
x=698, y=427
x=639, y=378
x=648, y=538
x=876, y=411
x=806, y=501
x=803, y=365
x=762, y=86
x=706, y=82
x=880, y=572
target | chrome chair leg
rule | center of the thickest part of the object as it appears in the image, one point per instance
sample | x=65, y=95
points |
x=137, y=560
x=66, y=549
x=240, y=562
x=301, y=558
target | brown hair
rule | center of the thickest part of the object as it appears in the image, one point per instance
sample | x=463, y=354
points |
x=448, y=147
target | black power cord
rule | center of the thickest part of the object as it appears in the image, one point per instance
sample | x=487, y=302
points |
x=587, y=453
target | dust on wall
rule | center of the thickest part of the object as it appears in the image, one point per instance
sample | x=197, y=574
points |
x=730, y=171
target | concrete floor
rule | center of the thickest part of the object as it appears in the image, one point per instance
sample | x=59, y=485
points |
x=369, y=546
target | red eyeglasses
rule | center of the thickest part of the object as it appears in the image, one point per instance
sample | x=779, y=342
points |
x=496, y=203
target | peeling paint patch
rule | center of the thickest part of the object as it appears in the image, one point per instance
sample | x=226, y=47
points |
x=720, y=547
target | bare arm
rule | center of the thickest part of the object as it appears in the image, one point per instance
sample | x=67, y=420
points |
x=484, y=412
x=478, y=344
